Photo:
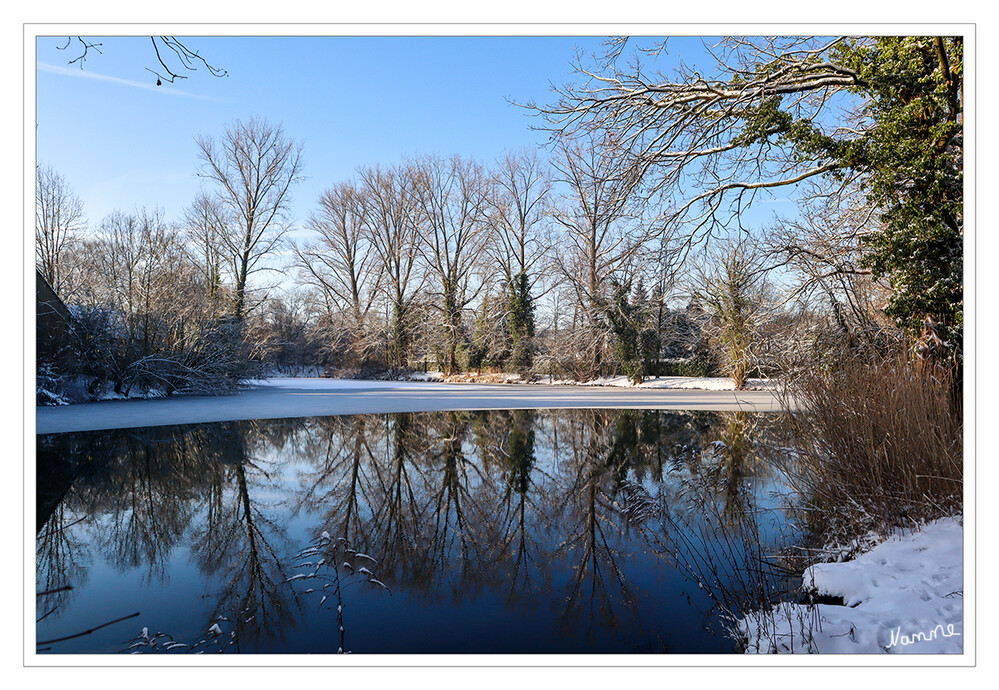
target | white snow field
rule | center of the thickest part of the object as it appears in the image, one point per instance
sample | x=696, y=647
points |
x=279, y=398
x=904, y=596
x=704, y=383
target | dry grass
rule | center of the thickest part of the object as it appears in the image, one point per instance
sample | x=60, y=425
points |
x=879, y=448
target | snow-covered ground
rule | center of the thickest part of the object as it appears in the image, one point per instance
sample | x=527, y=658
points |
x=904, y=596
x=323, y=384
x=300, y=380
x=76, y=394
x=301, y=397
x=703, y=383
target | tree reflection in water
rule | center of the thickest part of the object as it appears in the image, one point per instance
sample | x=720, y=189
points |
x=243, y=547
x=563, y=511
x=60, y=562
x=724, y=523
x=529, y=574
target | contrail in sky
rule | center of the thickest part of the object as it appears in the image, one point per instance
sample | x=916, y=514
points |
x=87, y=74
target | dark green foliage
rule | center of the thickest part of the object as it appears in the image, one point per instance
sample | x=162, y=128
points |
x=913, y=159
x=520, y=317
x=649, y=344
x=905, y=148
x=685, y=350
x=520, y=450
x=489, y=344
x=451, y=327
x=909, y=156
x=694, y=367
x=475, y=356
x=636, y=345
x=650, y=339
x=399, y=337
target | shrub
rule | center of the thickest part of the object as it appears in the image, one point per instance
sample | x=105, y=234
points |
x=738, y=303
x=879, y=447
x=209, y=358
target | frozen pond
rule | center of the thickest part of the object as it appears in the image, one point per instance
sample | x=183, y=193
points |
x=554, y=531
x=285, y=398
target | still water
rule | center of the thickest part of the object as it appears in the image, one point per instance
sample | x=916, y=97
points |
x=570, y=531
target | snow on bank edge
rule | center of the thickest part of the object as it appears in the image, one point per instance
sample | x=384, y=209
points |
x=656, y=383
x=704, y=383
x=904, y=596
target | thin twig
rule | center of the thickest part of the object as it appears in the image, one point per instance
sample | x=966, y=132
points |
x=87, y=632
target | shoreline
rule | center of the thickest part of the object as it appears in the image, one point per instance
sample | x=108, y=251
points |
x=905, y=595
x=287, y=398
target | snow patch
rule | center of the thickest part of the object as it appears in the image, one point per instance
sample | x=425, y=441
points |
x=904, y=596
x=136, y=393
x=707, y=383
x=423, y=376
x=311, y=384
x=704, y=383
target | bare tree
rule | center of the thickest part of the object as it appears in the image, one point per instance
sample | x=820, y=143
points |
x=149, y=321
x=183, y=58
x=342, y=263
x=135, y=284
x=597, y=218
x=518, y=212
x=521, y=245
x=254, y=166
x=172, y=56
x=123, y=241
x=58, y=221
x=708, y=146
x=207, y=225
x=452, y=194
x=822, y=248
x=602, y=236
x=394, y=232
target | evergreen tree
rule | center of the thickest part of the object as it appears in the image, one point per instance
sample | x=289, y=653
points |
x=521, y=322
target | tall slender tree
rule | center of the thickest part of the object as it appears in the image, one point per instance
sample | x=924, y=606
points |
x=518, y=212
x=59, y=219
x=394, y=232
x=207, y=225
x=253, y=166
x=342, y=261
x=602, y=235
x=452, y=195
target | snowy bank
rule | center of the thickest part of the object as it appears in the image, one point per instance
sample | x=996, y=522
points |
x=904, y=596
x=300, y=397
x=703, y=383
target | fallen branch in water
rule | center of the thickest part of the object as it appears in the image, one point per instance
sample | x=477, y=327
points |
x=87, y=632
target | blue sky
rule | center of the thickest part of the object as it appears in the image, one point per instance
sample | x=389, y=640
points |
x=122, y=142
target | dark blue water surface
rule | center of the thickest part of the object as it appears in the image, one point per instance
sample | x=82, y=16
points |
x=571, y=531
